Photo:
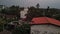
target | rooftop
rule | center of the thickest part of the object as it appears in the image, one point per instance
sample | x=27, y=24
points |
x=45, y=20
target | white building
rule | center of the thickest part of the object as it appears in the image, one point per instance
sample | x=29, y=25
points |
x=23, y=13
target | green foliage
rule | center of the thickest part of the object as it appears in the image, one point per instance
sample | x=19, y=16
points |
x=2, y=22
x=11, y=10
x=24, y=29
x=1, y=28
x=48, y=12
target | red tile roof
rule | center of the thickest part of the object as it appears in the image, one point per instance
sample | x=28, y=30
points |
x=44, y=20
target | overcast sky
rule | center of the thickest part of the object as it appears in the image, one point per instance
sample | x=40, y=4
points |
x=26, y=3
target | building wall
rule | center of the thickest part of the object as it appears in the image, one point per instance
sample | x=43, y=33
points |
x=45, y=29
x=23, y=13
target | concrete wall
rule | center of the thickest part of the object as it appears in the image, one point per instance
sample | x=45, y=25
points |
x=45, y=29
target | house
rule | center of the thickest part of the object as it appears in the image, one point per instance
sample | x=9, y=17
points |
x=45, y=25
x=23, y=13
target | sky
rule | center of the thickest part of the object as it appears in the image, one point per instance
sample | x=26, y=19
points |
x=28, y=3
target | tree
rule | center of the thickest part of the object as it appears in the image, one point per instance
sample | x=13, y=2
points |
x=31, y=13
x=48, y=8
x=14, y=10
x=23, y=29
x=2, y=22
x=37, y=5
x=48, y=12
